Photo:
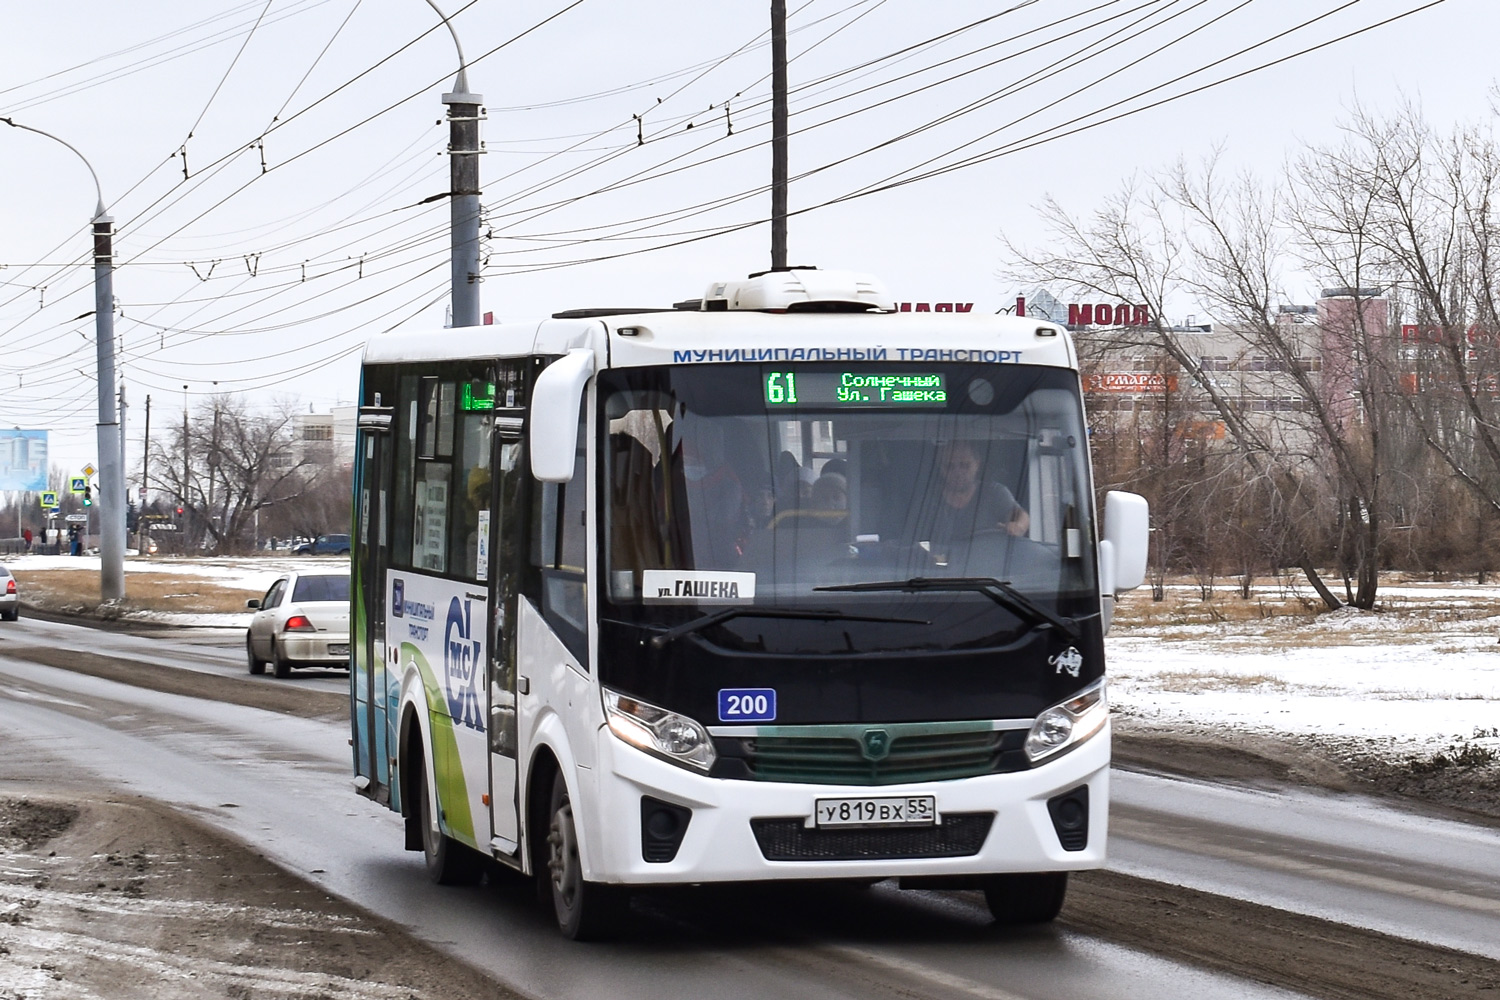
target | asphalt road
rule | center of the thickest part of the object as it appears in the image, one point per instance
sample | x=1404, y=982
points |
x=219, y=651
x=283, y=784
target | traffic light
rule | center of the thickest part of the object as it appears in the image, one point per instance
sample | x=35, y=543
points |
x=179, y=511
x=88, y=495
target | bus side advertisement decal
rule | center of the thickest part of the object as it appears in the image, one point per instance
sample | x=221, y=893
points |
x=441, y=627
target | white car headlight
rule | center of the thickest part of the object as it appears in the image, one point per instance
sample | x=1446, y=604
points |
x=1068, y=723
x=657, y=731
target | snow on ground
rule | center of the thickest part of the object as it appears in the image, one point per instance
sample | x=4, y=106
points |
x=241, y=574
x=1417, y=678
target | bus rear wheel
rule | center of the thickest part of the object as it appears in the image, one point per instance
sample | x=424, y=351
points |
x=1026, y=898
x=586, y=911
x=448, y=861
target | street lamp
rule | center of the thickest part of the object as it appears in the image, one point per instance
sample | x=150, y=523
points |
x=111, y=467
x=463, y=186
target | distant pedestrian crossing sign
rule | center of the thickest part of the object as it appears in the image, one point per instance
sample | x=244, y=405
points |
x=49, y=499
x=77, y=484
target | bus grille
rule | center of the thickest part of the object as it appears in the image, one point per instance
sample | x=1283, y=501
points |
x=961, y=835
x=841, y=760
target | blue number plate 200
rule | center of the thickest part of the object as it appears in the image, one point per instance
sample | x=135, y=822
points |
x=747, y=704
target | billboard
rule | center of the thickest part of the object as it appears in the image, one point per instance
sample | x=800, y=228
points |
x=1133, y=382
x=23, y=460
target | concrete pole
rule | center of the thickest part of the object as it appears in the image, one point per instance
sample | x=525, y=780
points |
x=463, y=186
x=463, y=158
x=111, y=469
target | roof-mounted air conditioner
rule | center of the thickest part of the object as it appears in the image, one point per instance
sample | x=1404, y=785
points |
x=801, y=289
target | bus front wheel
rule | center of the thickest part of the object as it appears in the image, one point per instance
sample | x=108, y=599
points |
x=586, y=911
x=1028, y=898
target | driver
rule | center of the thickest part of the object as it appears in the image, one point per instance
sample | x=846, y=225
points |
x=965, y=503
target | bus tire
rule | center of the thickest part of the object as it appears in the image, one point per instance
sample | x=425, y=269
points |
x=1027, y=898
x=586, y=911
x=448, y=861
x=257, y=665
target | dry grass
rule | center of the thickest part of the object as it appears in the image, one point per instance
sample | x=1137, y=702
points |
x=1183, y=607
x=78, y=589
x=1220, y=680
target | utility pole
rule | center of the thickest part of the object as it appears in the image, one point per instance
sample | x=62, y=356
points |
x=124, y=486
x=184, y=455
x=140, y=518
x=778, y=135
x=111, y=471
x=463, y=186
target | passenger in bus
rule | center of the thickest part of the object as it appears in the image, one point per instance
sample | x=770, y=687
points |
x=760, y=507
x=709, y=507
x=789, y=482
x=966, y=503
x=830, y=492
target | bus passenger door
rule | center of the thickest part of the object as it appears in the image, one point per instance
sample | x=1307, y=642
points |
x=367, y=667
x=505, y=557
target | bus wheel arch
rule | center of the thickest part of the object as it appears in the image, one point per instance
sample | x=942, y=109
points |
x=410, y=752
x=448, y=861
x=544, y=770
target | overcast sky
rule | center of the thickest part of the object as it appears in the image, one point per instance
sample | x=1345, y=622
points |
x=265, y=161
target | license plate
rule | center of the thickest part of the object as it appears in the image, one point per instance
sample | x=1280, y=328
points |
x=338, y=649
x=907, y=810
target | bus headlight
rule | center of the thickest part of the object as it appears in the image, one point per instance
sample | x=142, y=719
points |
x=657, y=731
x=1065, y=725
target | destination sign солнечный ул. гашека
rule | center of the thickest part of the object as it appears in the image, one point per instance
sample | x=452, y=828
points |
x=894, y=389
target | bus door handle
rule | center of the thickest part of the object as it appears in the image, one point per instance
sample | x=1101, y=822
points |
x=523, y=685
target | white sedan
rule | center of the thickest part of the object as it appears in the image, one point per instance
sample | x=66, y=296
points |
x=303, y=621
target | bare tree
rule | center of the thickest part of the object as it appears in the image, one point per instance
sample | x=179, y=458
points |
x=239, y=462
x=1437, y=227
x=1181, y=236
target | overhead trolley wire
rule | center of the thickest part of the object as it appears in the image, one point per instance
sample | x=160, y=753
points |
x=1030, y=142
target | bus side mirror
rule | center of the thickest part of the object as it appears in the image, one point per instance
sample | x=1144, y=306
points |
x=554, y=415
x=1122, y=552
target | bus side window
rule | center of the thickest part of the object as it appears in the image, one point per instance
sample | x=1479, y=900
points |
x=430, y=516
x=435, y=418
x=472, y=490
x=560, y=549
x=405, y=466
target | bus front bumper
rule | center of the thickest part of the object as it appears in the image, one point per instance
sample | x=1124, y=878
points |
x=734, y=824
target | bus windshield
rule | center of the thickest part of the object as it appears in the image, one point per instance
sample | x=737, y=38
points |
x=769, y=484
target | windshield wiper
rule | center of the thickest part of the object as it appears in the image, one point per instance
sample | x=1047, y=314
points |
x=999, y=591
x=697, y=624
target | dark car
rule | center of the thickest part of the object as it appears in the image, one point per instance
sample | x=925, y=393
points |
x=325, y=545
